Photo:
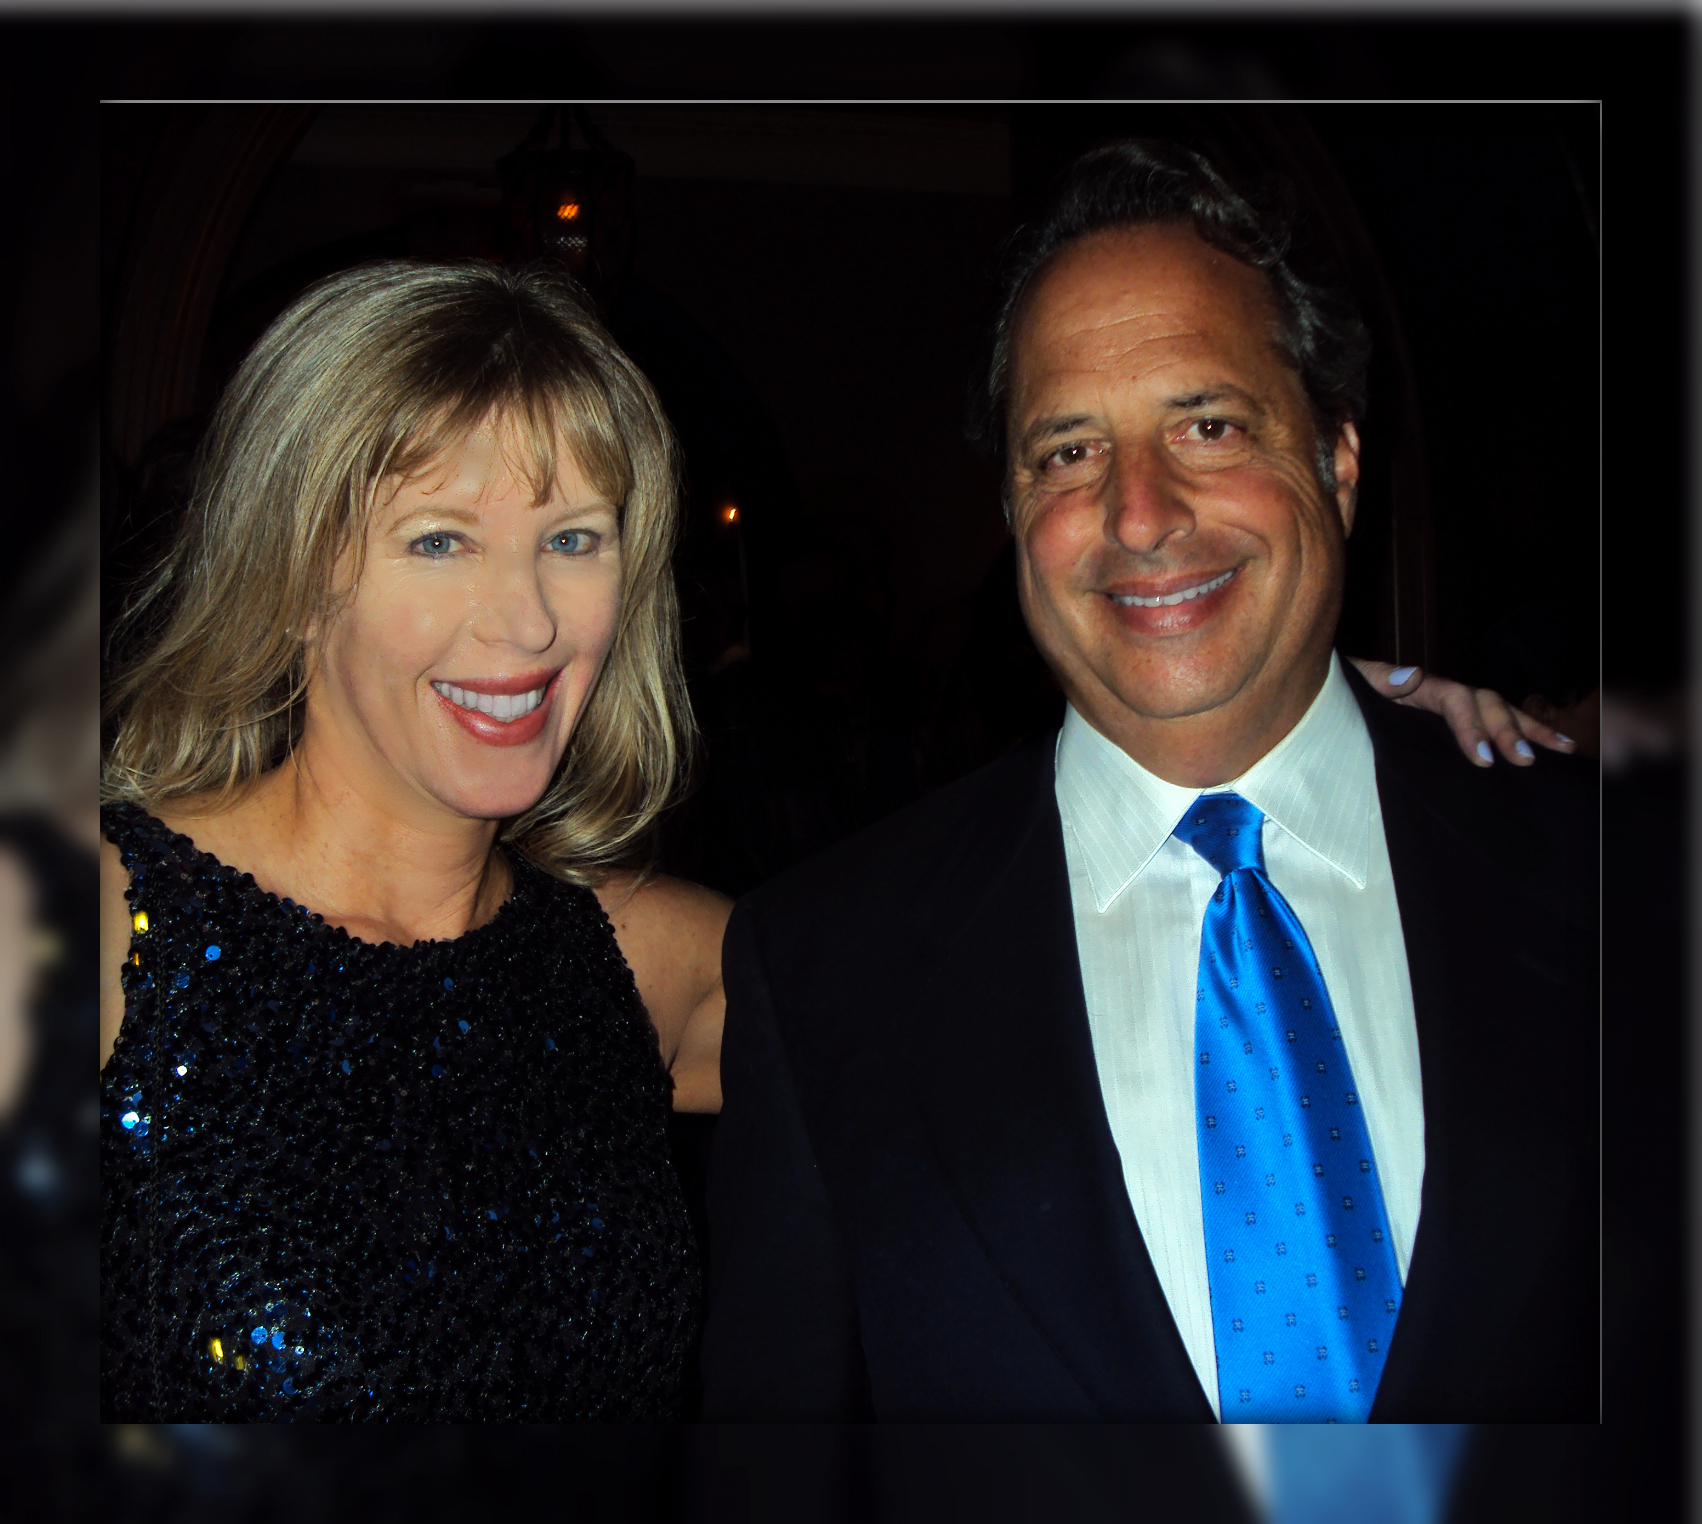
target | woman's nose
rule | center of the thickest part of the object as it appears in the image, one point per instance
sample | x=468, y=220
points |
x=515, y=609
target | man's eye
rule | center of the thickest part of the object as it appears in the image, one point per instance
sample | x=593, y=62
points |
x=1211, y=430
x=434, y=545
x=574, y=542
x=1071, y=459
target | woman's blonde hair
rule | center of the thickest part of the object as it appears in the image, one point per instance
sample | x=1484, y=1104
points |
x=363, y=382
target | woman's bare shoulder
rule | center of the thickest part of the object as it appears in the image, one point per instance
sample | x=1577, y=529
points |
x=671, y=918
x=233, y=827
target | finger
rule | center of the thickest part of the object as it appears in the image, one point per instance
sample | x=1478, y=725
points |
x=1387, y=678
x=1498, y=718
x=1544, y=735
x=1458, y=705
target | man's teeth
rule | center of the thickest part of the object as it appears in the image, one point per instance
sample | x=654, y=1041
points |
x=499, y=706
x=1169, y=600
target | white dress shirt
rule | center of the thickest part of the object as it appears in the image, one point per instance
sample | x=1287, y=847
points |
x=1139, y=897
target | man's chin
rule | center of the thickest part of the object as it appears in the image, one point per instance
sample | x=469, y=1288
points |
x=1177, y=695
x=1169, y=708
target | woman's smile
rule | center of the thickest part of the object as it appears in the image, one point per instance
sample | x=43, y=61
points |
x=500, y=711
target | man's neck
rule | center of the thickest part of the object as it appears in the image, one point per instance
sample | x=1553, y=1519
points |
x=1209, y=749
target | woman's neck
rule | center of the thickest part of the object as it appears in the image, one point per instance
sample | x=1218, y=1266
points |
x=320, y=835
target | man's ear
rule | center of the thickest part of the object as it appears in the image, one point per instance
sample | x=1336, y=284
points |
x=1347, y=474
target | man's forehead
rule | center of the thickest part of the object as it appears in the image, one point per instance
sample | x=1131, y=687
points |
x=1142, y=296
x=1136, y=275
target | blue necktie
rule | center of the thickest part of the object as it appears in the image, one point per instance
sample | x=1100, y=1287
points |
x=1304, y=1287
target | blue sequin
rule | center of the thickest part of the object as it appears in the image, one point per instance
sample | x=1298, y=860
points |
x=212, y=953
x=449, y=984
x=248, y=1223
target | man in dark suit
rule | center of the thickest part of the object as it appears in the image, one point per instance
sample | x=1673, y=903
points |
x=1231, y=1053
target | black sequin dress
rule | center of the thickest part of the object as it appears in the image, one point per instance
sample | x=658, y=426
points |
x=343, y=1180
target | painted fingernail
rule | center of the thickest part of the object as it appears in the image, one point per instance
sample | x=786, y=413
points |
x=1564, y=740
x=1524, y=749
x=1484, y=753
x=1401, y=675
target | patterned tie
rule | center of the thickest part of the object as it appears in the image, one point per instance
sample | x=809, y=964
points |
x=1304, y=1287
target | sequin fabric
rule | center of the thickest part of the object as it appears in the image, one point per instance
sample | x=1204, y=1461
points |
x=347, y=1181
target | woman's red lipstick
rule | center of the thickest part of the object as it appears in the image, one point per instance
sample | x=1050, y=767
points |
x=488, y=728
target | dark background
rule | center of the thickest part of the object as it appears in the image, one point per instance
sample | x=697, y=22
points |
x=808, y=289
x=1505, y=517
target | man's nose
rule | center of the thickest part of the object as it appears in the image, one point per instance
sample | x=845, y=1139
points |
x=1144, y=505
x=514, y=609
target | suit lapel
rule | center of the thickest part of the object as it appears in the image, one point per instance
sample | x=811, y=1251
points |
x=1448, y=849
x=1004, y=1077
x=1007, y=1085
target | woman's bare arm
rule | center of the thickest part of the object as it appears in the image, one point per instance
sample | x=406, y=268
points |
x=114, y=945
x=670, y=935
x=17, y=969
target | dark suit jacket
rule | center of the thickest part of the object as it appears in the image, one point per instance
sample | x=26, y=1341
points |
x=917, y=1212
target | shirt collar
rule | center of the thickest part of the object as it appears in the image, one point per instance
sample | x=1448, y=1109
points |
x=1318, y=784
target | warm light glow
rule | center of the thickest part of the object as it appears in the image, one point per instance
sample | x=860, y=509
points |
x=568, y=211
x=729, y=513
x=216, y=1348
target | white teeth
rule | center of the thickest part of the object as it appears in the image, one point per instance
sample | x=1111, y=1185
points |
x=499, y=706
x=1169, y=600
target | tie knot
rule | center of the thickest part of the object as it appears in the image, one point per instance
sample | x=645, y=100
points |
x=1225, y=830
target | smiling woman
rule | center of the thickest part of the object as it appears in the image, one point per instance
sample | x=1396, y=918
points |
x=483, y=704
x=389, y=1036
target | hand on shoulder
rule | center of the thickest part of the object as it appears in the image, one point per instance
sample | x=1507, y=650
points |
x=670, y=932
x=1476, y=716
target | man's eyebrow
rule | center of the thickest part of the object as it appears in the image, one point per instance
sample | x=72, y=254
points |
x=1224, y=393
x=1051, y=428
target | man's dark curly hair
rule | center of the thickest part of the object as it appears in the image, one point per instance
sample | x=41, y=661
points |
x=1141, y=181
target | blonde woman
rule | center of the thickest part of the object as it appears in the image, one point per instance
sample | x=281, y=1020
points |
x=388, y=1033
x=383, y=1102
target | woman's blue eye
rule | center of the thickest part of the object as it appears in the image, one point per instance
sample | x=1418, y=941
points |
x=434, y=544
x=574, y=542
